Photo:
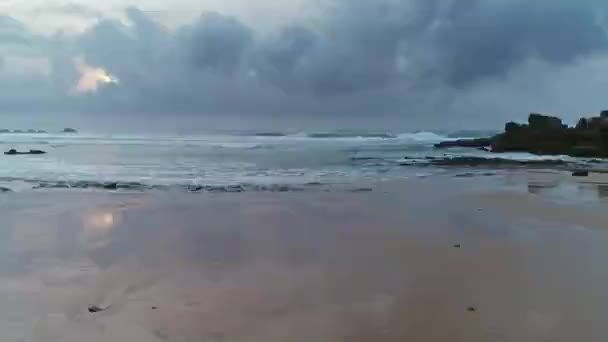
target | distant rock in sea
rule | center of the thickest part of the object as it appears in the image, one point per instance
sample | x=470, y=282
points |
x=270, y=134
x=13, y=152
x=69, y=130
x=477, y=143
x=547, y=135
x=5, y=130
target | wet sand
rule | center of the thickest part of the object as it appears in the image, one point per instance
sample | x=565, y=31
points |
x=479, y=259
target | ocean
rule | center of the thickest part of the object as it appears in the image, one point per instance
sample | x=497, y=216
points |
x=237, y=161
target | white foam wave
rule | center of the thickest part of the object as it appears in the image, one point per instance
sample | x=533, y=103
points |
x=422, y=137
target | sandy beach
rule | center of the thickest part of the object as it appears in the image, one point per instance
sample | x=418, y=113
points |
x=503, y=258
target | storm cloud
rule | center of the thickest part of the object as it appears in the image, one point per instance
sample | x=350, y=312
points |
x=389, y=57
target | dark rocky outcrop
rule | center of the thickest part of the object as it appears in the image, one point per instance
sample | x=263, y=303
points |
x=69, y=130
x=13, y=152
x=547, y=135
x=475, y=143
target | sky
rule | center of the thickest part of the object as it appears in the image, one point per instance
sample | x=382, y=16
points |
x=364, y=63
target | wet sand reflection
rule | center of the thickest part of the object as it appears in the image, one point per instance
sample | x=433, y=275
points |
x=303, y=267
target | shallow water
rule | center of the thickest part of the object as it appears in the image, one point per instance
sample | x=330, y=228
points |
x=239, y=158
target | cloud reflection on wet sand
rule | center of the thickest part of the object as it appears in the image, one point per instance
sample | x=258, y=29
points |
x=299, y=267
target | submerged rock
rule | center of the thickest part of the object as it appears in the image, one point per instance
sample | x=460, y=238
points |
x=69, y=130
x=494, y=162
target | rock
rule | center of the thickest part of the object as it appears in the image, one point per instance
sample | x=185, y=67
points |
x=457, y=246
x=362, y=190
x=270, y=134
x=17, y=131
x=580, y=173
x=69, y=130
x=595, y=123
x=13, y=152
x=111, y=186
x=41, y=131
x=4, y=131
x=95, y=309
x=3, y=189
x=465, y=175
x=544, y=122
x=546, y=135
x=513, y=126
x=582, y=124
x=471, y=309
x=31, y=131
x=473, y=143
x=604, y=114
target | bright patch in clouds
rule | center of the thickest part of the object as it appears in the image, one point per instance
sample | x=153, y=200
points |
x=92, y=78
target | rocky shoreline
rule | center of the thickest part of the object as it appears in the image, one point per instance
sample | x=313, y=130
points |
x=546, y=135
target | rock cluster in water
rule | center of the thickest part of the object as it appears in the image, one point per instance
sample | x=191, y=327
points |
x=546, y=135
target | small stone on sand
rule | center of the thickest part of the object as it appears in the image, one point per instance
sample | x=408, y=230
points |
x=580, y=173
x=95, y=308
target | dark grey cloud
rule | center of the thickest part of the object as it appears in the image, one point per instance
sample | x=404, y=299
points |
x=360, y=57
x=216, y=42
x=489, y=38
